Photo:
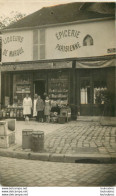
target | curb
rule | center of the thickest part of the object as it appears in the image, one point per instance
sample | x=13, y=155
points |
x=65, y=158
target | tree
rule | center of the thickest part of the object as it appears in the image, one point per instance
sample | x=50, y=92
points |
x=12, y=18
x=5, y=21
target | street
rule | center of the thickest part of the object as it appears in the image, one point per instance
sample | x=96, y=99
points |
x=19, y=172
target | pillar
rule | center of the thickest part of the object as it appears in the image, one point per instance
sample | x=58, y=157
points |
x=73, y=104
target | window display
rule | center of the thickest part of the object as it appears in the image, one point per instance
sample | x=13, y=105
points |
x=85, y=91
x=22, y=86
x=100, y=89
x=58, y=89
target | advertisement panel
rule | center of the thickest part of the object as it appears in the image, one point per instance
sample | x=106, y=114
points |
x=17, y=46
x=81, y=40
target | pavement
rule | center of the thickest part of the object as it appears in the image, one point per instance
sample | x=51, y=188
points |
x=29, y=173
x=70, y=142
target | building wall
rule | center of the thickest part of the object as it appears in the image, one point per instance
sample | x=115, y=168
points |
x=69, y=41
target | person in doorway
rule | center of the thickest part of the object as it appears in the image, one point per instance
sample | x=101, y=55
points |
x=34, y=106
x=40, y=109
x=44, y=96
x=27, y=106
x=47, y=109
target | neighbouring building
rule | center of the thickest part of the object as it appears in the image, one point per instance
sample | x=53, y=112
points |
x=67, y=51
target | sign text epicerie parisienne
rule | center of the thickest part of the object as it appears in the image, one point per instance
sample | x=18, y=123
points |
x=64, y=34
x=13, y=53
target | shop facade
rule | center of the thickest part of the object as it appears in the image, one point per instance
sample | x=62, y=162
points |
x=70, y=62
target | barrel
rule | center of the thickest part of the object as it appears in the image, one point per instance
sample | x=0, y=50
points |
x=37, y=142
x=26, y=138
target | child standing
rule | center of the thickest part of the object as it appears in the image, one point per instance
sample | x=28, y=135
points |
x=47, y=109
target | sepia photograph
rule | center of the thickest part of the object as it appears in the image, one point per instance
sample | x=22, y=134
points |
x=57, y=93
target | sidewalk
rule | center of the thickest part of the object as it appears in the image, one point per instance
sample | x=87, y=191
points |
x=70, y=142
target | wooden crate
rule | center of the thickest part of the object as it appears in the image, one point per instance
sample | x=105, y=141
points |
x=7, y=140
x=61, y=119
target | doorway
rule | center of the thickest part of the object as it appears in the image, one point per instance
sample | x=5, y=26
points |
x=85, y=96
x=39, y=87
x=93, y=88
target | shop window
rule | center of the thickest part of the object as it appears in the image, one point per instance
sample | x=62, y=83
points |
x=85, y=91
x=88, y=40
x=58, y=88
x=100, y=88
x=22, y=86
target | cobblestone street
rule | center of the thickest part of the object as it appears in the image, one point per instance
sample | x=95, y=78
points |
x=16, y=172
x=73, y=137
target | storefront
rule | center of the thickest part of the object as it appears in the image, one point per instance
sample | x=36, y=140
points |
x=73, y=63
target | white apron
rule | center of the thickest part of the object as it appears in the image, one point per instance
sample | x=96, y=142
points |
x=27, y=105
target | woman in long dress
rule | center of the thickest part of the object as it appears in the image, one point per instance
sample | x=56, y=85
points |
x=34, y=106
x=27, y=106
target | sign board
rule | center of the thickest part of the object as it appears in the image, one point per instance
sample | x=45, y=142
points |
x=81, y=40
x=17, y=46
x=90, y=39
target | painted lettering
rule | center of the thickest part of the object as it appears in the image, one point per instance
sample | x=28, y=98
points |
x=13, y=39
x=5, y=52
x=67, y=33
x=69, y=48
x=16, y=52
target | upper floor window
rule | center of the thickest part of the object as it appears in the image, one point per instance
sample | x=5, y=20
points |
x=88, y=40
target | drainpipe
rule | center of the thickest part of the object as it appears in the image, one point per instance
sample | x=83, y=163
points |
x=0, y=83
x=115, y=91
x=74, y=108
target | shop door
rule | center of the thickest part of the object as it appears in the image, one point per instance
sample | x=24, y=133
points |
x=85, y=96
x=39, y=87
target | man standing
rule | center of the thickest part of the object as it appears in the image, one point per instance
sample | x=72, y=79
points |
x=40, y=109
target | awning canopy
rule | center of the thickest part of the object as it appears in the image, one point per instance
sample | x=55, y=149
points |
x=96, y=64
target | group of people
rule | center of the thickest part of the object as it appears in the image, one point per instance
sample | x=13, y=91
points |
x=41, y=108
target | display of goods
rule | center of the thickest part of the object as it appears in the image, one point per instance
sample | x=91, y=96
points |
x=17, y=113
x=8, y=113
x=11, y=114
x=4, y=113
x=21, y=113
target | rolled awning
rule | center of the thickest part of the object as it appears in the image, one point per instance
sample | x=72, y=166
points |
x=96, y=64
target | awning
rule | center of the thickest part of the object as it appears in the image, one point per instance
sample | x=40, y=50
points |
x=96, y=64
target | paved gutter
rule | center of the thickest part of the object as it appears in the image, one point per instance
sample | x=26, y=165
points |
x=66, y=158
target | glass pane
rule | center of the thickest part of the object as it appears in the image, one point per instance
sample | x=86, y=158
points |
x=85, y=91
x=100, y=87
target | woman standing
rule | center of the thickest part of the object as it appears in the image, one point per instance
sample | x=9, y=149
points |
x=34, y=106
x=47, y=109
x=27, y=106
x=40, y=109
